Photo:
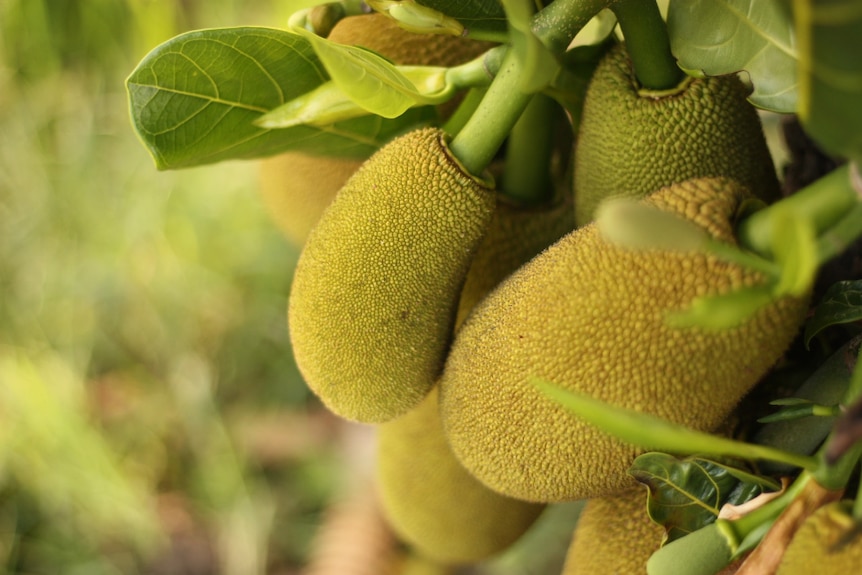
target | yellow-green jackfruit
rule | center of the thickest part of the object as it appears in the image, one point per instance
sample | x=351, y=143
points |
x=432, y=502
x=614, y=536
x=515, y=235
x=590, y=316
x=632, y=143
x=296, y=187
x=830, y=541
x=376, y=288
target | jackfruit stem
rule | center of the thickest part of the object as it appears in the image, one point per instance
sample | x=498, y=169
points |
x=486, y=130
x=825, y=203
x=648, y=44
x=556, y=25
x=527, y=174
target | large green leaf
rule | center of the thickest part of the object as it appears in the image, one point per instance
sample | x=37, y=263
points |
x=194, y=99
x=716, y=37
x=842, y=303
x=687, y=494
x=830, y=73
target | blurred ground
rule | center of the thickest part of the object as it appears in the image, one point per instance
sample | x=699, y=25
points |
x=151, y=417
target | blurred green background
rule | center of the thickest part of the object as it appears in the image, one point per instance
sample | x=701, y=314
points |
x=151, y=417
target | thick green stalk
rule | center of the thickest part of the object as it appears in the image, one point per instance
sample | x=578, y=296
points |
x=556, y=25
x=648, y=44
x=486, y=130
x=527, y=175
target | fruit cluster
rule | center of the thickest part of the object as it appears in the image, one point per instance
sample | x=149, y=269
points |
x=425, y=302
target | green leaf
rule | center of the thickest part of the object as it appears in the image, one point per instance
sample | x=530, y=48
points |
x=842, y=303
x=723, y=311
x=195, y=98
x=830, y=73
x=650, y=432
x=477, y=16
x=687, y=494
x=370, y=80
x=638, y=226
x=794, y=408
x=795, y=247
x=715, y=37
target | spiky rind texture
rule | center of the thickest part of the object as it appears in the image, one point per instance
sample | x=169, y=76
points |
x=376, y=288
x=828, y=542
x=614, y=536
x=590, y=316
x=432, y=502
x=515, y=235
x=630, y=144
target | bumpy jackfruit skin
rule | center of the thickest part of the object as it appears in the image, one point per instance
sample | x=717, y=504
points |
x=631, y=145
x=590, y=317
x=376, y=287
x=296, y=187
x=828, y=542
x=432, y=502
x=516, y=234
x=614, y=536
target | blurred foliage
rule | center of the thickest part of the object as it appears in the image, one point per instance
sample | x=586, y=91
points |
x=151, y=417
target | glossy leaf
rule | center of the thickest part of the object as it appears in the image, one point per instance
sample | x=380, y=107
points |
x=650, y=432
x=194, y=99
x=830, y=73
x=842, y=303
x=687, y=494
x=716, y=37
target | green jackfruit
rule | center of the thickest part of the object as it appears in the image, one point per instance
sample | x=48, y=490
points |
x=614, y=536
x=376, y=288
x=296, y=187
x=432, y=502
x=829, y=541
x=631, y=144
x=590, y=316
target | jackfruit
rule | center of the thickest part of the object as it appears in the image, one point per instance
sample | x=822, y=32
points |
x=590, y=316
x=376, y=287
x=516, y=234
x=432, y=502
x=296, y=187
x=829, y=541
x=614, y=536
x=631, y=143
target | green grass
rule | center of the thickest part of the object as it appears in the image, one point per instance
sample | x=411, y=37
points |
x=142, y=319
